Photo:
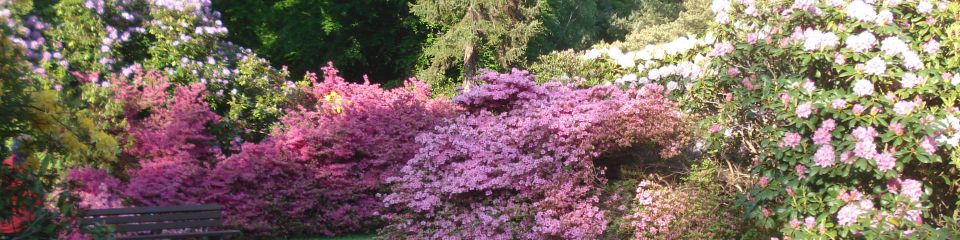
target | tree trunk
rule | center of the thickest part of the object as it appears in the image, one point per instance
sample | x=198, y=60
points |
x=469, y=50
x=469, y=65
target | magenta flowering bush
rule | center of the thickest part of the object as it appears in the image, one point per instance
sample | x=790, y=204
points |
x=347, y=139
x=263, y=192
x=169, y=139
x=319, y=173
x=519, y=163
x=97, y=189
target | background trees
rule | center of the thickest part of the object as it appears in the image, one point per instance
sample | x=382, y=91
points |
x=376, y=37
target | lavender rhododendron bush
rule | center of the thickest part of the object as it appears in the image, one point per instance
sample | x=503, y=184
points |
x=520, y=163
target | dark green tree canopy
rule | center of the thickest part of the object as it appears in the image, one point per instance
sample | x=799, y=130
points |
x=474, y=34
x=375, y=37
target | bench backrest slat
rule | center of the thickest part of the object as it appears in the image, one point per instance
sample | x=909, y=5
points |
x=146, y=218
x=151, y=210
x=168, y=225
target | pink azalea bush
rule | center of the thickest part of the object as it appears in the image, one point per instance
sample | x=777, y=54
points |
x=97, y=188
x=519, y=163
x=171, y=144
x=319, y=173
x=347, y=139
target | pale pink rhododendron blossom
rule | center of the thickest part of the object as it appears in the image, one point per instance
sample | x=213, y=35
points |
x=801, y=171
x=809, y=86
x=819, y=40
x=839, y=59
x=861, y=42
x=909, y=80
x=863, y=87
x=825, y=156
x=897, y=128
x=804, y=110
x=875, y=66
x=721, y=49
x=865, y=147
x=721, y=9
x=849, y=213
x=846, y=157
x=892, y=46
x=912, y=61
x=912, y=189
x=928, y=145
x=861, y=11
x=838, y=103
x=885, y=161
x=904, y=107
x=763, y=181
x=823, y=134
x=924, y=6
x=791, y=139
x=884, y=17
x=809, y=222
x=931, y=47
x=858, y=109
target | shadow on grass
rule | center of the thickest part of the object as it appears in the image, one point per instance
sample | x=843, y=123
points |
x=366, y=236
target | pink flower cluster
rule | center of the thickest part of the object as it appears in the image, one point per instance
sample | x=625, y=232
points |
x=519, y=163
x=657, y=207
x=97, y=189
x=721, y=49
x=791, y=139
x=850, y=213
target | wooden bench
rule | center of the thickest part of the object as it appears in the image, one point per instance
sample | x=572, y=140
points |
x=199, y=219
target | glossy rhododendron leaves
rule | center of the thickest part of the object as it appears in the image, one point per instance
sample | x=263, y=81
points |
x=520, y=163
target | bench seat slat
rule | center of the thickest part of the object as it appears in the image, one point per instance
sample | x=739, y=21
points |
x=167, y=225
x=159, y=209
x=184, y=235
x=146, y=218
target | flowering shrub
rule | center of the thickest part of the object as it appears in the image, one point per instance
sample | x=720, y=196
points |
x=97, y=189
x=318, y=174
x=182, y=39
x=263, y=191
x=695, y=208
x=841, y=103
x=171, y=142
x=856, y=107
x=519, y=163
x=350, y=138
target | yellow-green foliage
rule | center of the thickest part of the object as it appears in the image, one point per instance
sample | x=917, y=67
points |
x=568, y=66
x=694, y=19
